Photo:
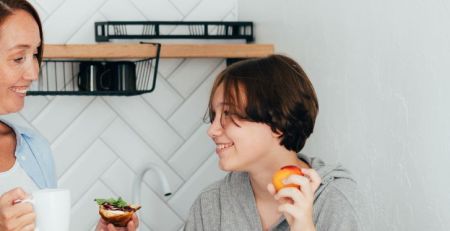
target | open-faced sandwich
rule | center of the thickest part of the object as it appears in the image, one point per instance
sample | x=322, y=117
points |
x=116, y=212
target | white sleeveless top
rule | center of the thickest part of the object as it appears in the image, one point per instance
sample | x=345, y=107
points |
x=16, y=177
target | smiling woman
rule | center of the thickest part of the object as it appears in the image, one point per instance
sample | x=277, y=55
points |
x=26, y=162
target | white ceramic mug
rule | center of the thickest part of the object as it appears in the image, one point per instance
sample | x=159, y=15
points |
x=52, y=208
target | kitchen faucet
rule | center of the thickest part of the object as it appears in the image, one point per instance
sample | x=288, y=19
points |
x=140, y=176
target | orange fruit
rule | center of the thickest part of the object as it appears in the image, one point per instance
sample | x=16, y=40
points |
x=283, y=173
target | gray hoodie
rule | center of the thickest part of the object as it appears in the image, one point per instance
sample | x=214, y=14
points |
x=230, y=205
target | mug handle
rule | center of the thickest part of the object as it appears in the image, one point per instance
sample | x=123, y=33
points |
x=80, y=86
x=103, y=87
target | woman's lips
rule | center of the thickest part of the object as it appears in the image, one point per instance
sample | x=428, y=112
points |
x=19, y=90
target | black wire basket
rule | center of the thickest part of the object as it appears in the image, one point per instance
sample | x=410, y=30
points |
x=97, y=77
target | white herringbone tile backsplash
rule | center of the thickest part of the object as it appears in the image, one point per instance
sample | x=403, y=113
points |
x=100, y=142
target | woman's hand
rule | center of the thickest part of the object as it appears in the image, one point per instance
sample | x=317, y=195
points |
x=296, y=204
x=16, y=216
x=132, y=225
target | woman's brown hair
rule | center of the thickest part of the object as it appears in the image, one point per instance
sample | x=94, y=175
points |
x=273, y=90
x=7, y=8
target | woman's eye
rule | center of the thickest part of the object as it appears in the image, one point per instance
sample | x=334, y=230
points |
x=19, y=60
x=226, y=113
x=35, y=55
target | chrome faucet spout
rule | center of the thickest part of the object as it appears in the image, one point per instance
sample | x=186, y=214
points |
x=140, y=176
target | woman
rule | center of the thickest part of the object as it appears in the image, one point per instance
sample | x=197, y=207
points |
x=261, y=113
x=26, y=163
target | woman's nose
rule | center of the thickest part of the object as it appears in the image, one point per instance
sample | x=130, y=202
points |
x=31, y=71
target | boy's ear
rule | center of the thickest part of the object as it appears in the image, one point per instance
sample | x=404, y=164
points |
x=277, y=134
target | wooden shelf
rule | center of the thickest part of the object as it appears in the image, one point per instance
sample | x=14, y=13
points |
x=142, y=51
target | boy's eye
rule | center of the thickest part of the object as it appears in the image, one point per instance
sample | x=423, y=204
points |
x=212, y=115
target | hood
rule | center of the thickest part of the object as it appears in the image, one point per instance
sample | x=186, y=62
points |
x=328, y=173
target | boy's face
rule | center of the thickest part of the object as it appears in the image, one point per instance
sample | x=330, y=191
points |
x=243, y=145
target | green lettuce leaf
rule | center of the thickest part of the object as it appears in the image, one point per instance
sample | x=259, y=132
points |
x=120, y=203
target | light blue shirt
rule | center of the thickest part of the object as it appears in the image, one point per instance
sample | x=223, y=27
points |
x=35, y=156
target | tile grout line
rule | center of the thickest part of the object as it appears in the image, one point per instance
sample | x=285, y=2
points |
x=176, y=93
x=142, y=139
x=166, y=79
x=171, y=74
x=49, y=101
x=89, y=146
x=56, y=8
x=176, y=8
x=196, y=89
x=83, y=109
x=40, y=109
x=85, y=22
x=192, y=9
x=34, y=3
x=190, y=177
x=162, y=117
x=94, y=182
x=199, y=124
x=181, y=146
x=175, y=68
x=186, y=181
x=131, y=127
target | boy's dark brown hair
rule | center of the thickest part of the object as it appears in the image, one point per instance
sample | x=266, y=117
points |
x=7, y=8
x=273, y=90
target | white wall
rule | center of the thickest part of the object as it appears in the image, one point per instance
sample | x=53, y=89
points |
x=382, y=73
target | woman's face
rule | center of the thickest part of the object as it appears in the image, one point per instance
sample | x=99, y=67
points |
x=19, y=41
x=242, y=146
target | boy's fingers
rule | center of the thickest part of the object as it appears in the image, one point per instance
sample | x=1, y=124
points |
x=271, y=189
x=313, y=177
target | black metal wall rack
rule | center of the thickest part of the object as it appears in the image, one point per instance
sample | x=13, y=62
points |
x=105, y=31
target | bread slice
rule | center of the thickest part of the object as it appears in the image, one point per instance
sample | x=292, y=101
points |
x=117, y=217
